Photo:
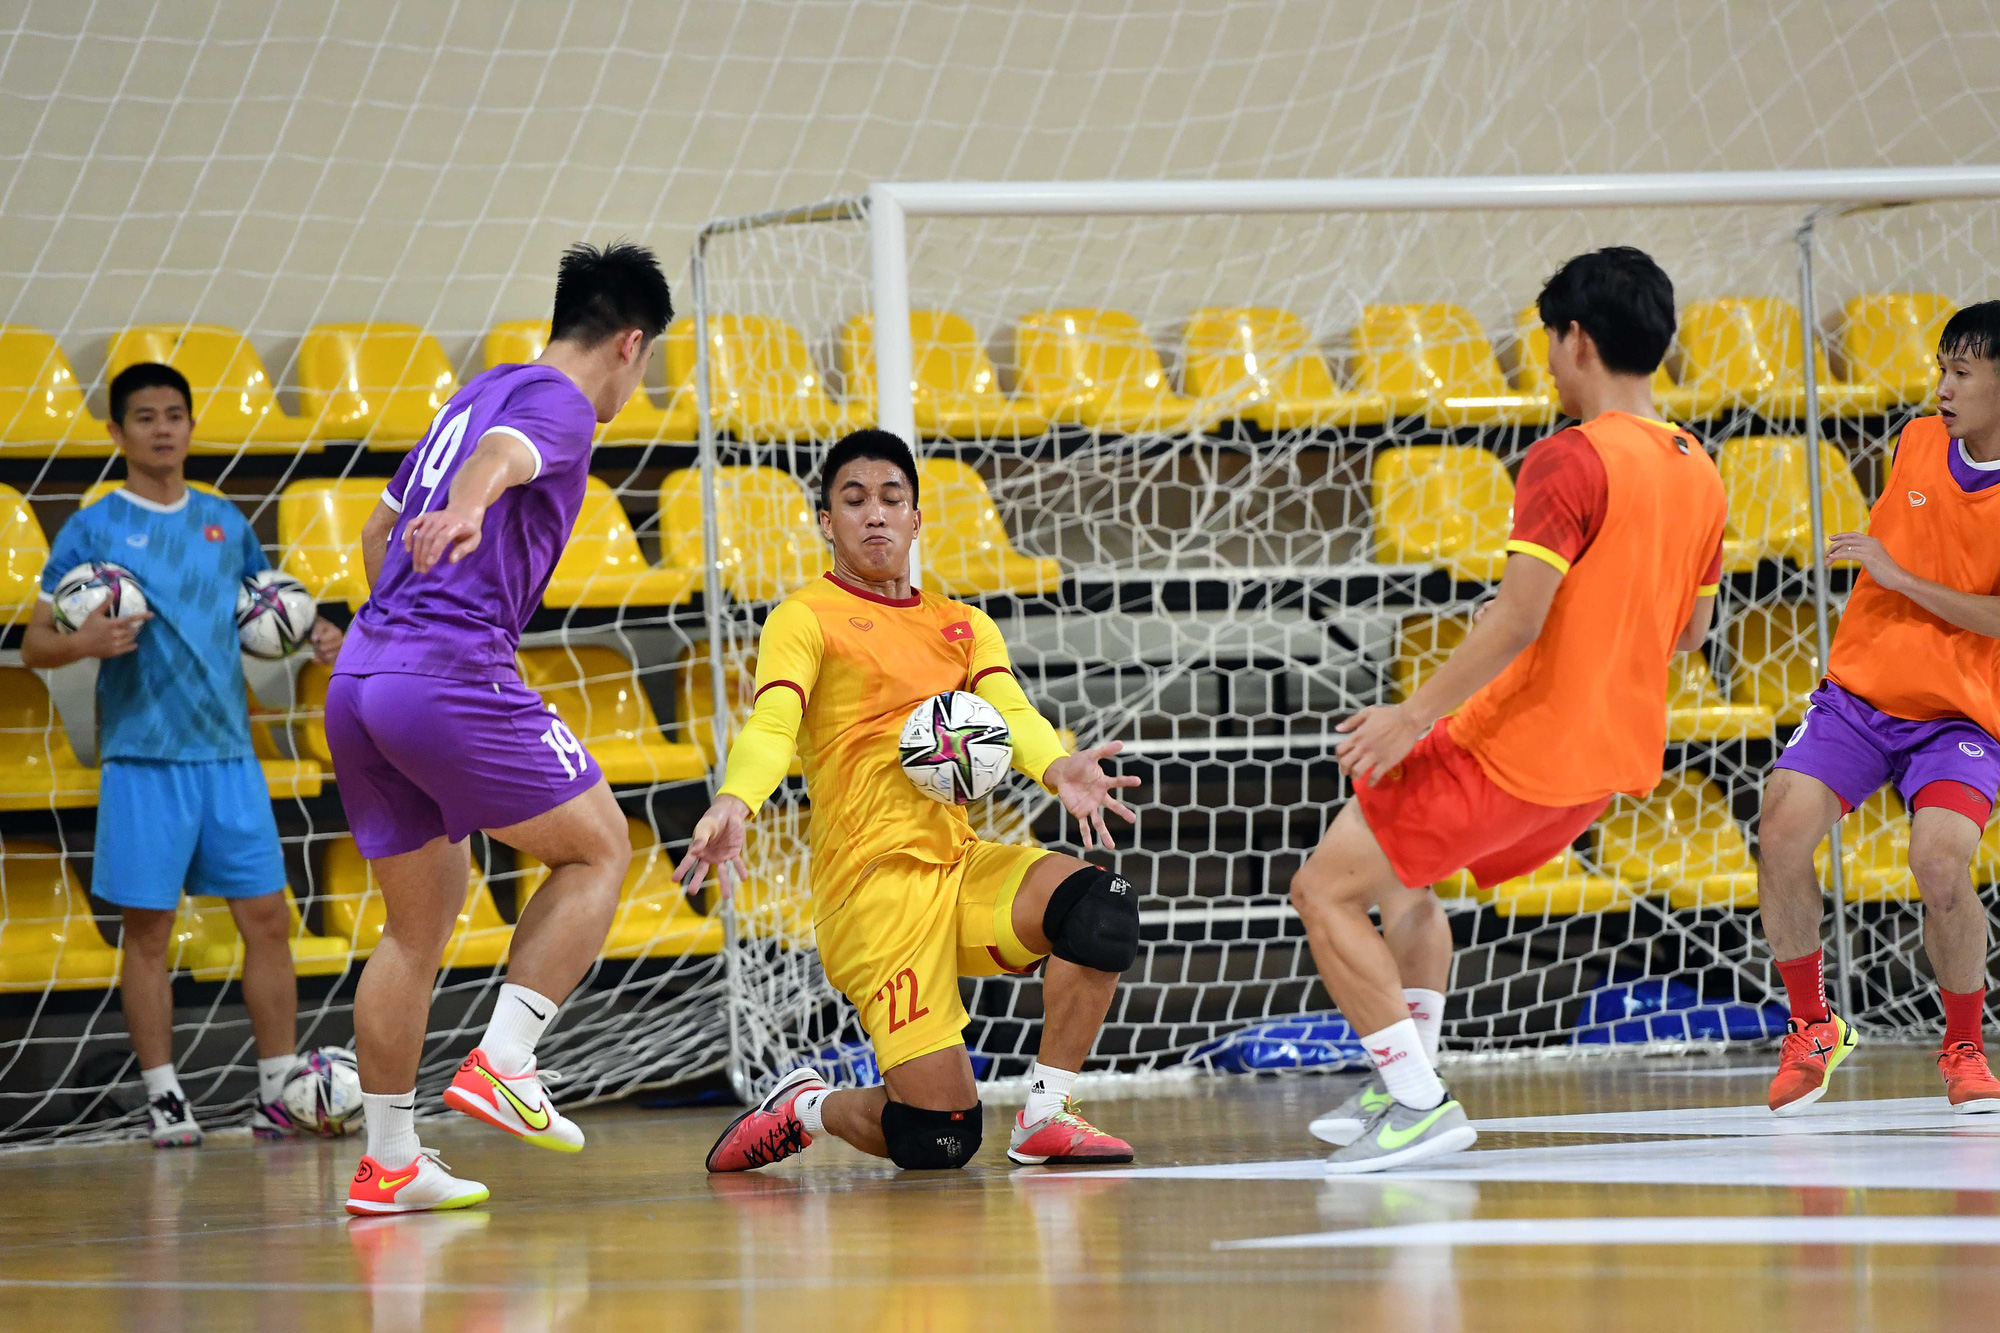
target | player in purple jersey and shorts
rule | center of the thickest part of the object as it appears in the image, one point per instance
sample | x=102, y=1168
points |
x=434, y=735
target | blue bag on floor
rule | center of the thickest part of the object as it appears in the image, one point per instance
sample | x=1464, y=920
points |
x=1662, y=1009
x=1309, y=1041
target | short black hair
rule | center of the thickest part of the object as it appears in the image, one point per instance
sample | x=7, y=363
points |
x=1623, y=300
x=601, y=293
x=878, y=445
x=146, y=375
x=1973, y=331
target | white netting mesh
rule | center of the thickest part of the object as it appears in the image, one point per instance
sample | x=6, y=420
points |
x=265, y=170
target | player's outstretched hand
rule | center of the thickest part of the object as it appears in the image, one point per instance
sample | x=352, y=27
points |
x=1378, y=739
x=326, y=638
x=1085, y=789
x=441, y=535
x=1869, y=553
x=104, y=635
x=717, y=841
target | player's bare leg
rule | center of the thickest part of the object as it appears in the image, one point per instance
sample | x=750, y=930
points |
x=1942, y=844
x=1419, y=937
x=145, y=989
x=422, y=894
x=1798, y=811
x=584, y=843
x=271, y=994
x=1346, y=875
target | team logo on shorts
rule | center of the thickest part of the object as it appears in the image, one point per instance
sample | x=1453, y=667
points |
x=1968, y=748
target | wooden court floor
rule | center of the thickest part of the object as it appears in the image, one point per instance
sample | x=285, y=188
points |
x=1636, y=1194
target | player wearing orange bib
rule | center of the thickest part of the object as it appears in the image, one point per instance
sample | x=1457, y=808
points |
x=1559, y=692
x=1912, y=697
x=906, y=900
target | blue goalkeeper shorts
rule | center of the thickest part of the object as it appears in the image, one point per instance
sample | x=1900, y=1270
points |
x=164, y=826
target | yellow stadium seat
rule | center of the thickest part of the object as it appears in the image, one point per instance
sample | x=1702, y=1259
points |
x=285, y=778
x=1749, y=352
x=378, y=383
x=1098, y=368
x=954, y=387
x=23, y=552
x=235, y=409
x=1563, y=887
x=640, y=421
x=1986, y=861
x=763, y=386
x=205, y=942
x=696, y=699
x=1422, y=647
x=1770, y=505
x=1672, y=401
x=1777, y=657
x=1682, y=841
x=99, y=489
x=1434, y=359
x=597, y=694
x=1875, y=852
x=319, y=532
x=603, y=566
x=38, y=769
x=767, y=535
x=355, y=915
x=1264, y=364
x=41, y=408
x=48, y=939
x=654, y=919
x=309, y=717
x=1443, y=504
x=1890, y=340
x=966, y=548
x=774, y=901
x=1696, y=710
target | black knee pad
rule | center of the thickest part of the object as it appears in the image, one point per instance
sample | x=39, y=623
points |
x=921, y=1140
x=1092, y=920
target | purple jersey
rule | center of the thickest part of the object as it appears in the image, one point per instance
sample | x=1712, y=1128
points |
x=465, y=620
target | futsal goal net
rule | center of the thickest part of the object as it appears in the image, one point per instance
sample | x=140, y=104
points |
x=1227, y=462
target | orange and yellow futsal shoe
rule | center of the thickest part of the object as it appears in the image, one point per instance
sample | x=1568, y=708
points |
x=1064, y=1139
x=424, y=1186
x=1807, y=1060
x=769, y=1131
x=1968, y=1081
x=516, y=1103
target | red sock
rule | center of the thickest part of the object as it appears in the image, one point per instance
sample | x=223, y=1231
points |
x=1964, y=1017
x=1805, y=986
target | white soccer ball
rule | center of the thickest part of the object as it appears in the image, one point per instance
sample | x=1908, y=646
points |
x=956, y=747
x=323, y=1094
x=89, y=586
x=274, y=614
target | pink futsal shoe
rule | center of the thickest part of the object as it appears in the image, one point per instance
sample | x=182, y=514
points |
x=516, y=1103
x=769, y=1131
x=1064, y=1139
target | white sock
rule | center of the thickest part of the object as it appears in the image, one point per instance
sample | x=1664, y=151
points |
x=1048, y=1089
x=159, y=1079
x=392, y=1127
x=1398, y=1053
x=520, y=1016
x=807, y=1106
x=1427, y=1012
x=272, y=1070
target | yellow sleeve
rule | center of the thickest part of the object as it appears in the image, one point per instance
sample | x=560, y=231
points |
x=788, y=657
x=991, y=677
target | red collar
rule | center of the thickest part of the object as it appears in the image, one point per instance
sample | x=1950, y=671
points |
x=914, y=599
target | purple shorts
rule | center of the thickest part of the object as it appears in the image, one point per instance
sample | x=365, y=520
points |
x=419, y=756
x=1855, y=748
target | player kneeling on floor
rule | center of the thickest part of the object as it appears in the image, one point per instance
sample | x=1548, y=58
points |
x=906, y=900
x=182, y=802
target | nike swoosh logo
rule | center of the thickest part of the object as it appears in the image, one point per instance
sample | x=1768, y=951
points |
x=1393, y=1139
x=520, y=1107
x=393, y=1183
x=1372, y=1100
x=531, y=1009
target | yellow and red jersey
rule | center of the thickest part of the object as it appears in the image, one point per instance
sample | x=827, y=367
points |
x=1891, y=652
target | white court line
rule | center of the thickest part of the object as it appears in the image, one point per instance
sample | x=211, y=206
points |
x=1861, y=1161
x=1587, y=1231
x=1889, y=1113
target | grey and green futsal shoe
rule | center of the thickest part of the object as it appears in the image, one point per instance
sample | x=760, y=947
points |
x=1399, y=1135
x=1342, y=1125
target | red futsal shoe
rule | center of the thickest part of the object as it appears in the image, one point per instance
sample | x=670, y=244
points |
x=768, y=1132
x=1968, y=1081
x=1807, y=1060
x=1064, y=1139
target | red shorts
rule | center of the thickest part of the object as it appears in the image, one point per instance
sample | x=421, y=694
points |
x=1437, y=813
